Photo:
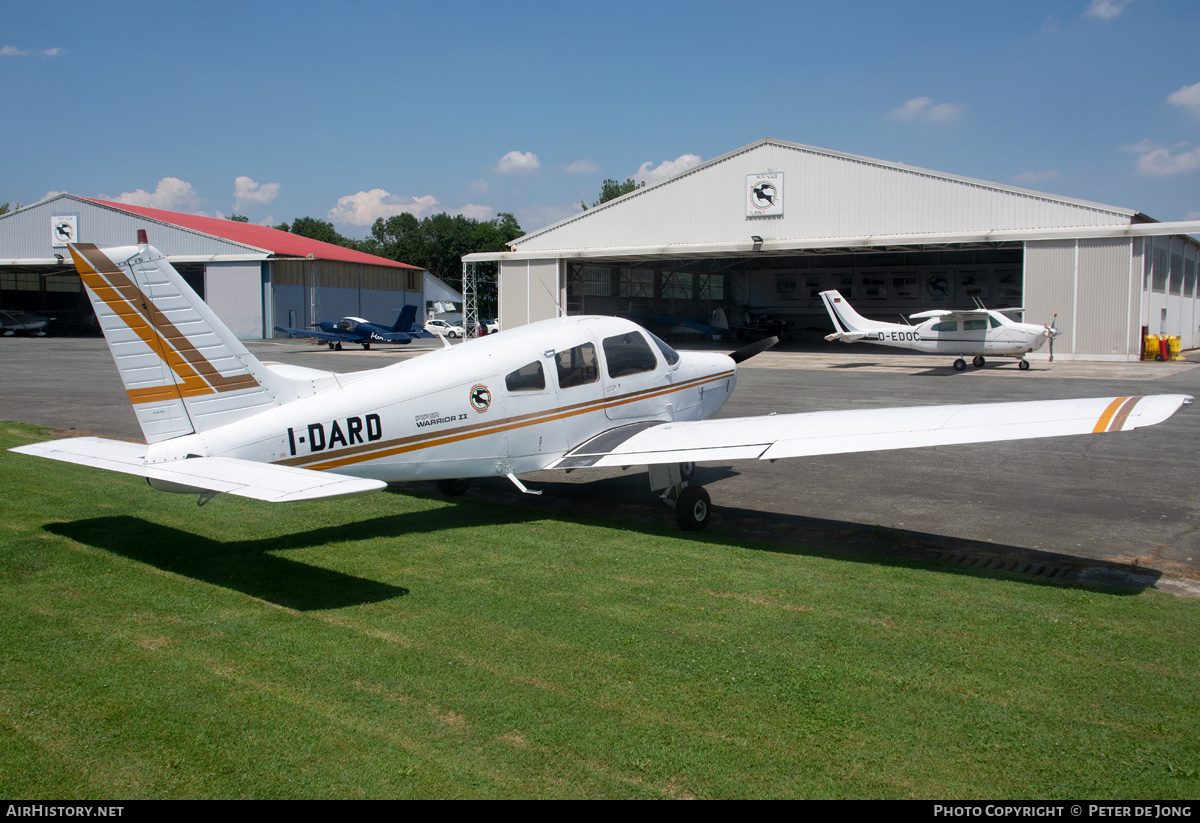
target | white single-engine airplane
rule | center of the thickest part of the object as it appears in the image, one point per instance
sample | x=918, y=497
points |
x=569, y=393
x=961, y=332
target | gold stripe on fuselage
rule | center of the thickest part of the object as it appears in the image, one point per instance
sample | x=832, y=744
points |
x=374, y=451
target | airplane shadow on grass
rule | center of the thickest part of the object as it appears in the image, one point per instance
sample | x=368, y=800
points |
x=608, y=499
x=251, y=566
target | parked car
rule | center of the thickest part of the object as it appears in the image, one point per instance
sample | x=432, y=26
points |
x=441, y=327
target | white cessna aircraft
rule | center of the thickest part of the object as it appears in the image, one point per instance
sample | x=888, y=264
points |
x=569, y=393
x=960, y=332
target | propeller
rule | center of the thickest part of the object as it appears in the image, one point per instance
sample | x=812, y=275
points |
x=1052, y=332
x=746, y=352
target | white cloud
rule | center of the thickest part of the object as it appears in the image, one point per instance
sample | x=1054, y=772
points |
x=518, y=162
x=13, y=51
x=667, y=168
x=475, y=212
x=247, y=193
x=923, y=108
x=1161, y=163
x=1036, y=176
x=1192, y=215
x=366, y=207
x=1106, y=9
x=1187, y=98
x=534, y=218
x=171, y=194
x=479, y=186
x=582, y=167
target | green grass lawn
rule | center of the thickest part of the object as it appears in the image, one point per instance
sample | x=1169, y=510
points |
x=402, y=645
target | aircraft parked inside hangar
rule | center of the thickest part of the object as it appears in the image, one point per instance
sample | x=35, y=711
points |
x=32, y=324
x=963, y=332
x=568, y=393
x=363, y=332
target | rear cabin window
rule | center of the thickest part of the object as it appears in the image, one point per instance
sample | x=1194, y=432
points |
x=948, y=325
x=526, y=378
x=974, y=325
x=628, y=353
x=577, y=366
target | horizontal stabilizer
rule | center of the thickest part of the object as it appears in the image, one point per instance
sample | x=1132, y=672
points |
x=228, y=475
x=861, y=430
x=848, y=336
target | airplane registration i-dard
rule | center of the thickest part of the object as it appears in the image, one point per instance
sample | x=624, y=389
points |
x=960, y=332
x=568, y=393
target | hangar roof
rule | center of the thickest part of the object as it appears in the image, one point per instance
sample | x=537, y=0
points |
x=826, y=200
x=265, y=238
x=25, y=234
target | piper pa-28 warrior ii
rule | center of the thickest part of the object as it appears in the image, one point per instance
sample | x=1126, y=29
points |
x=961, y=332
x=568, y=393
x=363, y=332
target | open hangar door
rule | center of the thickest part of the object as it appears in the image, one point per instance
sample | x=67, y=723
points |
x=781, y=290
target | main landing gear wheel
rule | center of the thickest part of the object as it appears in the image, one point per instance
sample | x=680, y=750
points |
x=693, y=508
x=454, y=488
x=337, y=346
x=960, y=364
x=978, y=361
x=366, y=346
x=1023, y=365
x=331, y=346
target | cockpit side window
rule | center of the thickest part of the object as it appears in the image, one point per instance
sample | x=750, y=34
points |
x=527, y=378
x=577, y=366
x=668, y=353
x=974, y=325
x=946, y=325
x=628, y=353
x=995, y=323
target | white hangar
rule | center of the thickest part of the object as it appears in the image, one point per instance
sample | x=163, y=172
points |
x=253, y=277
x=765, y=228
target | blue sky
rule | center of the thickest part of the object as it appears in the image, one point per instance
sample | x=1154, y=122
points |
x=348, y=111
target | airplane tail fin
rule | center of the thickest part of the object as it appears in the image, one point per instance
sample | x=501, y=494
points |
x=850, y=325
x=183, y=369
x=404, y=322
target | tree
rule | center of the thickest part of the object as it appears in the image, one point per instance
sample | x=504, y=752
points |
x=239, y=218
x=321, y=230
x=611, y=189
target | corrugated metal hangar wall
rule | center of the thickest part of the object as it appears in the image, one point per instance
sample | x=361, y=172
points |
x=764, y=229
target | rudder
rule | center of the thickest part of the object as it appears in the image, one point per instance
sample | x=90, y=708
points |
x=184, y=370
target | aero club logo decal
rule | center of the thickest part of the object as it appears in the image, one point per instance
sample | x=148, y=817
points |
x=481, y=398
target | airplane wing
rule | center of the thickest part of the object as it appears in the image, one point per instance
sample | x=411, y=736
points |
x=840, y=432
x=961, y=313
x=321, y=335
x=244, y=478
x=399, y=336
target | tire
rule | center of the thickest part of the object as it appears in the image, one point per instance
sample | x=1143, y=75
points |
x=337, y=346
x=454, y=488
x=366, y=346
x=1023, y=365
x=960, y=364
x=331, y=346
x=693, y=508
x=978, y=361
x=687, y=471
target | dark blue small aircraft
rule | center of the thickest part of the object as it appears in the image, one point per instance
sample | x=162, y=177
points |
x=363, y=332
